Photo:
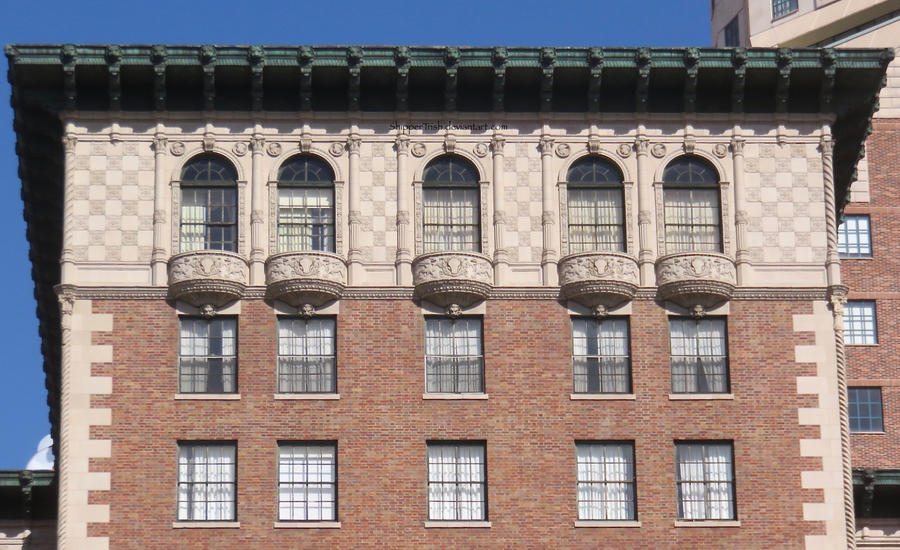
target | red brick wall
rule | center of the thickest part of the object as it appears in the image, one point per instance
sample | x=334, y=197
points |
x=877, y=279
x=381, y=424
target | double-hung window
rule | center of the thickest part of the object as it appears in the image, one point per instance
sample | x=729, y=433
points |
x=595, y=206
x=699, y=355
x=693, y=219
x=451, y=206
x=306, y=355
x=859, y=323
x=208, y=204
x=601, y=355
x=704, y=475
x=854, y=237
x=305, y=205
x=307, y=481
x=454, y=359
x=207, y=475
x=457, y=481
x=207, y=361
x=605, y=478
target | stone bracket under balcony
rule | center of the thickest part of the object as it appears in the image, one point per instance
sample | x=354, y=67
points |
x=598, y=278
x=696, y=278
x=446, y=278
x=299, y=278
x=207, y=277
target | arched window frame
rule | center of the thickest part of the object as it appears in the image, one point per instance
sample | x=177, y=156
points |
x=480, y=186
x=324, y=236
x=180, y=185
x=596, y=190
x=723, y=189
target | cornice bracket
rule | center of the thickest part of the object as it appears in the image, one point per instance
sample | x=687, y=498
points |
x=451, y=67
x=595, y=60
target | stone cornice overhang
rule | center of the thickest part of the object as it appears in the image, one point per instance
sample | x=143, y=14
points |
x=50, y=80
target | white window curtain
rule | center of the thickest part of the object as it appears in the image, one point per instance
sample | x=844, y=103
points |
x=454, y=360
x=595, y=220
x=456, y=482
x=600, y=355
x=207, y=355
x=605, y=478
x=307, y=482
x=693, y=220
x=699, y=356
x=206, y=482
x=193, y=219
x=452, y=220
x=705, y=482
x=306, y=355
x=305, y=219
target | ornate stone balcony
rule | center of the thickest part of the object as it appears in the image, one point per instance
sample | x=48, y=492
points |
x=598, y=278
x=695, y=278
x=207, y=277
x=446, y=278
x=300, y=278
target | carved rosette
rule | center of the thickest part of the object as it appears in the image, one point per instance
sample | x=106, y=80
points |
x=598, y=278
x=446, y=278
x=696, y=278
x=305, y=277
x=207, y=277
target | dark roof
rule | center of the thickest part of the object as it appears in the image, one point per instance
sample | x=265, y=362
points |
x=49, y=79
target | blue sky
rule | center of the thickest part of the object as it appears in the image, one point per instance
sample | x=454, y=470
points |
x=23, y=409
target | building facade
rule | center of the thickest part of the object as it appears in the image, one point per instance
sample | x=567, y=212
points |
x=431, y=297
x=867, y=239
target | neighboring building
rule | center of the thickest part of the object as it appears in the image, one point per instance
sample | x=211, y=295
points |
x=868, y=238
x=443, y=297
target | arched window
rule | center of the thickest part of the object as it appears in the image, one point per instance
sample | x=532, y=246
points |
x=692, y=212
x=595, y=205
x=208, y=204
x=305, y=205
x=451, y=214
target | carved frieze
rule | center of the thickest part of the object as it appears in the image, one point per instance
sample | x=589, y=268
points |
x=305, y=277
x=207, y=277
x=598, y=278
x=446, y=278
x=696, y=278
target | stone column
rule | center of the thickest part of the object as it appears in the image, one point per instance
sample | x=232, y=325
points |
x=258, y=187
x=161, y=204
x=741, y=219
x=832, y=258
x=354, y=254
x=67, y=259
x=501, y=254
x=647, y=252
x=548, y=218
x=404, y=228
x=64, y=531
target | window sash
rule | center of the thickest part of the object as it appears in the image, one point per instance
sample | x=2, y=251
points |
x=454, y=359
x=705, y=481
x=207, y=358
x=451, y=219
x=306, y=219
x=307, y=482
x=601, y=361
x=457, y=482
x=866, y=413
x=206, y=482
x=596, y=220
x=605, y=481
x=854, y=237
x=208, y=219
x=306, y=355
x=693, y=220
x=860, y=327
x=699, y=355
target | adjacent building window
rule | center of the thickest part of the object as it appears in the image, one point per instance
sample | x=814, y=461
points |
x=451, y=206
x=854, y=237
x=705, y=479
x=733, y=33
x=307, y=482
x=208, y=204
x=605, y=477
x=699, y=355
x=595, y=211
x=454, y=359
x=306, y=355
x=207, y=357
x=693, y=220
x=457, y=481
x=206, y=481
x=865, y=410
x=783, y=7
x=305, y=205
x=859, y=323
x=601, y=355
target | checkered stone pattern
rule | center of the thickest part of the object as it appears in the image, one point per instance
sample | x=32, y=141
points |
x=522, y=204
x=785, y=203
x=111, y=190
x=378, y=200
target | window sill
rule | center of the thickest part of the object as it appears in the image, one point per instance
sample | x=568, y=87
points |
x=866, y=433
x=454, y=396
x=207, y=397
x=602, y=397
x=307, y=525
x=606, y=523
x=701, y=396
x=206, y=525
x=306, y=396
x=460, y=524
x=708, y=523
x=872, y=345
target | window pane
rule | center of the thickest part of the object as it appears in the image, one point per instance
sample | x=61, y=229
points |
x=208, y=218
x=783, y=7
x=698, y=355
x=456, y=482
x=605, y=481
x=601, y=355
x=307, y=482
x=454, y=360
x=451, y=219
x=306, y=219
x=705, y=481
x=595, y=220
x=854, y=240
x=859, y=323
x=206, y=482
x=865, y=410
x=306, y=355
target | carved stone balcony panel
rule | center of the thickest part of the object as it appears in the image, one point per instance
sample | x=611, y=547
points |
x=207, y=277
x=446, y=278
x=598, y=278
x=695, y=278
x=305, y=277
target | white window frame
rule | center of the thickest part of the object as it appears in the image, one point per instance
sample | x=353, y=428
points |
x=860, y=323
x=306, y=468
x=194, y=461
